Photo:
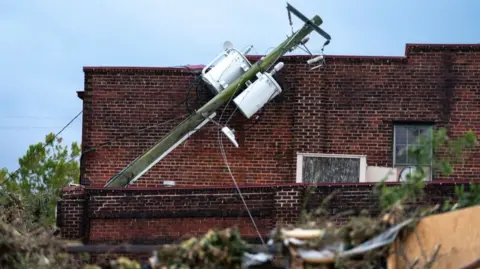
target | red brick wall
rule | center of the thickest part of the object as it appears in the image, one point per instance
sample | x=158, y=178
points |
x=348, y=107
x=71, y=212
x=117, y=103
x=163, y=215
x=157, y=216
x=167, y=229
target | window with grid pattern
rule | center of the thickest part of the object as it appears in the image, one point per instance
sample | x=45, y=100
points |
x=407, y=136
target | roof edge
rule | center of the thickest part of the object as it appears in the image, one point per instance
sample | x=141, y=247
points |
x=439, y=47
x=187, y=69
x=410, y=48
x=246, y=186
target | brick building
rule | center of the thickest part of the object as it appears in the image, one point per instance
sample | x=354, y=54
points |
x=356, y=112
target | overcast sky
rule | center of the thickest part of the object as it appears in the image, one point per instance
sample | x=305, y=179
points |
x=45, y=43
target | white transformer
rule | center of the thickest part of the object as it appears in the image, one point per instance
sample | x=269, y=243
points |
x=257, y=94
x=226, y=70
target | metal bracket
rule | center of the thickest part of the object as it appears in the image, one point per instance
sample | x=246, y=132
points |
x=302, y=17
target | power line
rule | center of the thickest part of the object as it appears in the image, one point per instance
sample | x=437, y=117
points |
x=30, y=117
x=185, y=100
x=131, y=134
x=68, y=124
x=224, y=155
x=193, y=84
x=228, y=103
x=45, y=144
x=27, y=127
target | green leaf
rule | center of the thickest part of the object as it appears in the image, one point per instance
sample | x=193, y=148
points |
x=446, y=168
x=451, y=150
x=44, y=170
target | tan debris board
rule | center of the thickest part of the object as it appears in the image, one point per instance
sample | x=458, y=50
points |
x=457, y=233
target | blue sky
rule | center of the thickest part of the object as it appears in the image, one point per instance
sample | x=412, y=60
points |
x=45, y=44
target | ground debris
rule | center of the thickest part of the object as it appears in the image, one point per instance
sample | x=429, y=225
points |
x=387, y=240
x=216, y=249
x=361, y=242
x=24, y=246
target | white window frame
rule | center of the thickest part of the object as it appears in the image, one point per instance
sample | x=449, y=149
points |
x=300, y=155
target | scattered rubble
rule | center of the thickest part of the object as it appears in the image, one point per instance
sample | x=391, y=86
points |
x=216, y=249
x=26, y=246
x=399, y=237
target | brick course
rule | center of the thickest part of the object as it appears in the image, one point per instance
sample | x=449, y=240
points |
x=71, y=212
x=159, y=215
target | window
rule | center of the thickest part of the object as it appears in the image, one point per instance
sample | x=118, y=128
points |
x=405, y=137
x=330, y=168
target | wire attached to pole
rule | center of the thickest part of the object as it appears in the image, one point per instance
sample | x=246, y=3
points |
x=290, y=19
x=44, y=145
x=224, y=155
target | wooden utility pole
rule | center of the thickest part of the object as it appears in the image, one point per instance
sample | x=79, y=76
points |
x=139, y=166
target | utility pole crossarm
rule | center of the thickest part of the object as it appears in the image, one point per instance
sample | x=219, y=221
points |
x=139, y=166
x=297, y=13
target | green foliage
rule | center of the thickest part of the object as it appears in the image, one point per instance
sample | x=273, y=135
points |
x=453, y=150
x=215, y=249
x=25, y=245
x=411, y=189
x=44, y=170
x=436, y=149
x=463, y=197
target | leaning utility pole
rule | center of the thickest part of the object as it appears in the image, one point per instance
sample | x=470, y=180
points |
x=180, y=133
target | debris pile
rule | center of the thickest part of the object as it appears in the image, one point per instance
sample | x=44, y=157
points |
x=390, y=241
x=362, y=242
x=23, y=246
x=216, y=249
x=400, y=237
x=386, y=241
x=397, y=238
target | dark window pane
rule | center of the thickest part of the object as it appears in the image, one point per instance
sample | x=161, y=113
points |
x=401, y=135
x=414, y=133
x=425, y=132
x=417, y=132
x=330, y=169
x=401, y=154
